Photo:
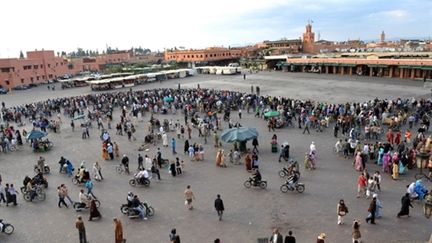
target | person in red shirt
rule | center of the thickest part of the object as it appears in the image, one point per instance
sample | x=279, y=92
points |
x=361, y=185
x=398, y=138
x=390, y=136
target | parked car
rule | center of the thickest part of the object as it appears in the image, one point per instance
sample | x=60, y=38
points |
x=21, y=87
x=3, y=91
x=31, y=85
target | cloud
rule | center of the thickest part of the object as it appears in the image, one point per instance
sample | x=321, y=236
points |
x=396, y=14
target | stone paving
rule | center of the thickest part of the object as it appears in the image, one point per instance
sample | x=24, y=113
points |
x=250, y=213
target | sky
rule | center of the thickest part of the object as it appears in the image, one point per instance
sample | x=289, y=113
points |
x=62, y=25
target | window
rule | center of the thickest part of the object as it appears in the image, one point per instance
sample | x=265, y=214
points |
x=37, y=77
x=211, y=55
x=188, y=56
x=35, y=66
x=192, y=56
x=43, y=76
x=50, y=76
x=5, y=70
x=41, y=66
x=206, y=55
x=7, y=82
x=49, y=65
x=31, y=79
x=22, y=80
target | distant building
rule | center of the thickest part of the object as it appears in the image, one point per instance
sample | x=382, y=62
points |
x=38, y=67
x=211, y=54
x=41, y=66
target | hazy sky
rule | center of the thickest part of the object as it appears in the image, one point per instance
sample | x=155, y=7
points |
x=92, y=24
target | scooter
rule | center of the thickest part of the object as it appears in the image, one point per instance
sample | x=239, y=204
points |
x=251, y=182
x=139, y=181
x=7, y=228
x=79, y=206
x=46, y=169
x=125, y=209
x=289, y=185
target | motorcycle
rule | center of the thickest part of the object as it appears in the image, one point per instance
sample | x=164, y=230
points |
x=7, y=228
x=46, y=168
x=40, y=195
x=290, y=169
x=139, y=181
x=125, y=209
x=77, y=181
x=251, y=182
x=79, y=207
x=290, y=186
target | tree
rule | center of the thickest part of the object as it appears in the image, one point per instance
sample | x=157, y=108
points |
x=21, y=55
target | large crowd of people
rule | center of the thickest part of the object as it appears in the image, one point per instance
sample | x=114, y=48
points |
x=379, y=131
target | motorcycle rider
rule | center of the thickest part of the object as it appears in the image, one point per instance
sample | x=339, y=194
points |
x=83, y=199
x=142, y=176
x=31, y=189
x=138, y=207
x=129, y=199
x=256, y=178
x=292, y=180
x=125, y=163
x=41, y=163
x=1, y=225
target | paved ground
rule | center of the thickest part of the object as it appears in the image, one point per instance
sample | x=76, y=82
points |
x=250, y=213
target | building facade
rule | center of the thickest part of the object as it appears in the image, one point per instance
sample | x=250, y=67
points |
x=41, y=66
x=392, y=68
x=38, y=67
x=204, y=55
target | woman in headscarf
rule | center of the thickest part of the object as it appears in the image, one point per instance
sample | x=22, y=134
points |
x=94, y=212
x=395, y=170
x=186, y=146
x=358, y=162
x=219, y=158
x=118, y=231
x=105, y=155
x=386, y=162
x=248, y=162
x=380, y=156
x=96, y=172
x=378, y=212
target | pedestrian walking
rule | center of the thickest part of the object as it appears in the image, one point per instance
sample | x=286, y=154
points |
x=361, y=185
x=174, y=237
x=89, y=186
x=189, y=196
x=140, y=163
x=219, y=206
x=66, y=193
x=118, y=231
x=276, y=237
x=372, y=211
x=406, y=203
x=61, y=197
x=356, y=235
x=94, y=212
x=79, y=224
x=116, y=150
x=342, y=210
x=306, y=126
x=321, y=238
x=173, y=146
x=289, y=238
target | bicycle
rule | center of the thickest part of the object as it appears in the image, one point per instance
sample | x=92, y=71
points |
x=121, y=169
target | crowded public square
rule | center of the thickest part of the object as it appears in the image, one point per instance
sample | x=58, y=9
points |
x=241, y=158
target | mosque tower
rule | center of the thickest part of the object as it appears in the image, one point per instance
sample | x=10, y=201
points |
x=308, y=39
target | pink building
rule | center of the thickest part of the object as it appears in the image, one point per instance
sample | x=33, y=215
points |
x=38, y=67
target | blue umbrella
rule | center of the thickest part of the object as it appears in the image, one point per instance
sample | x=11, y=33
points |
x=168, y=99
x=238, y=134
x=36, y=134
